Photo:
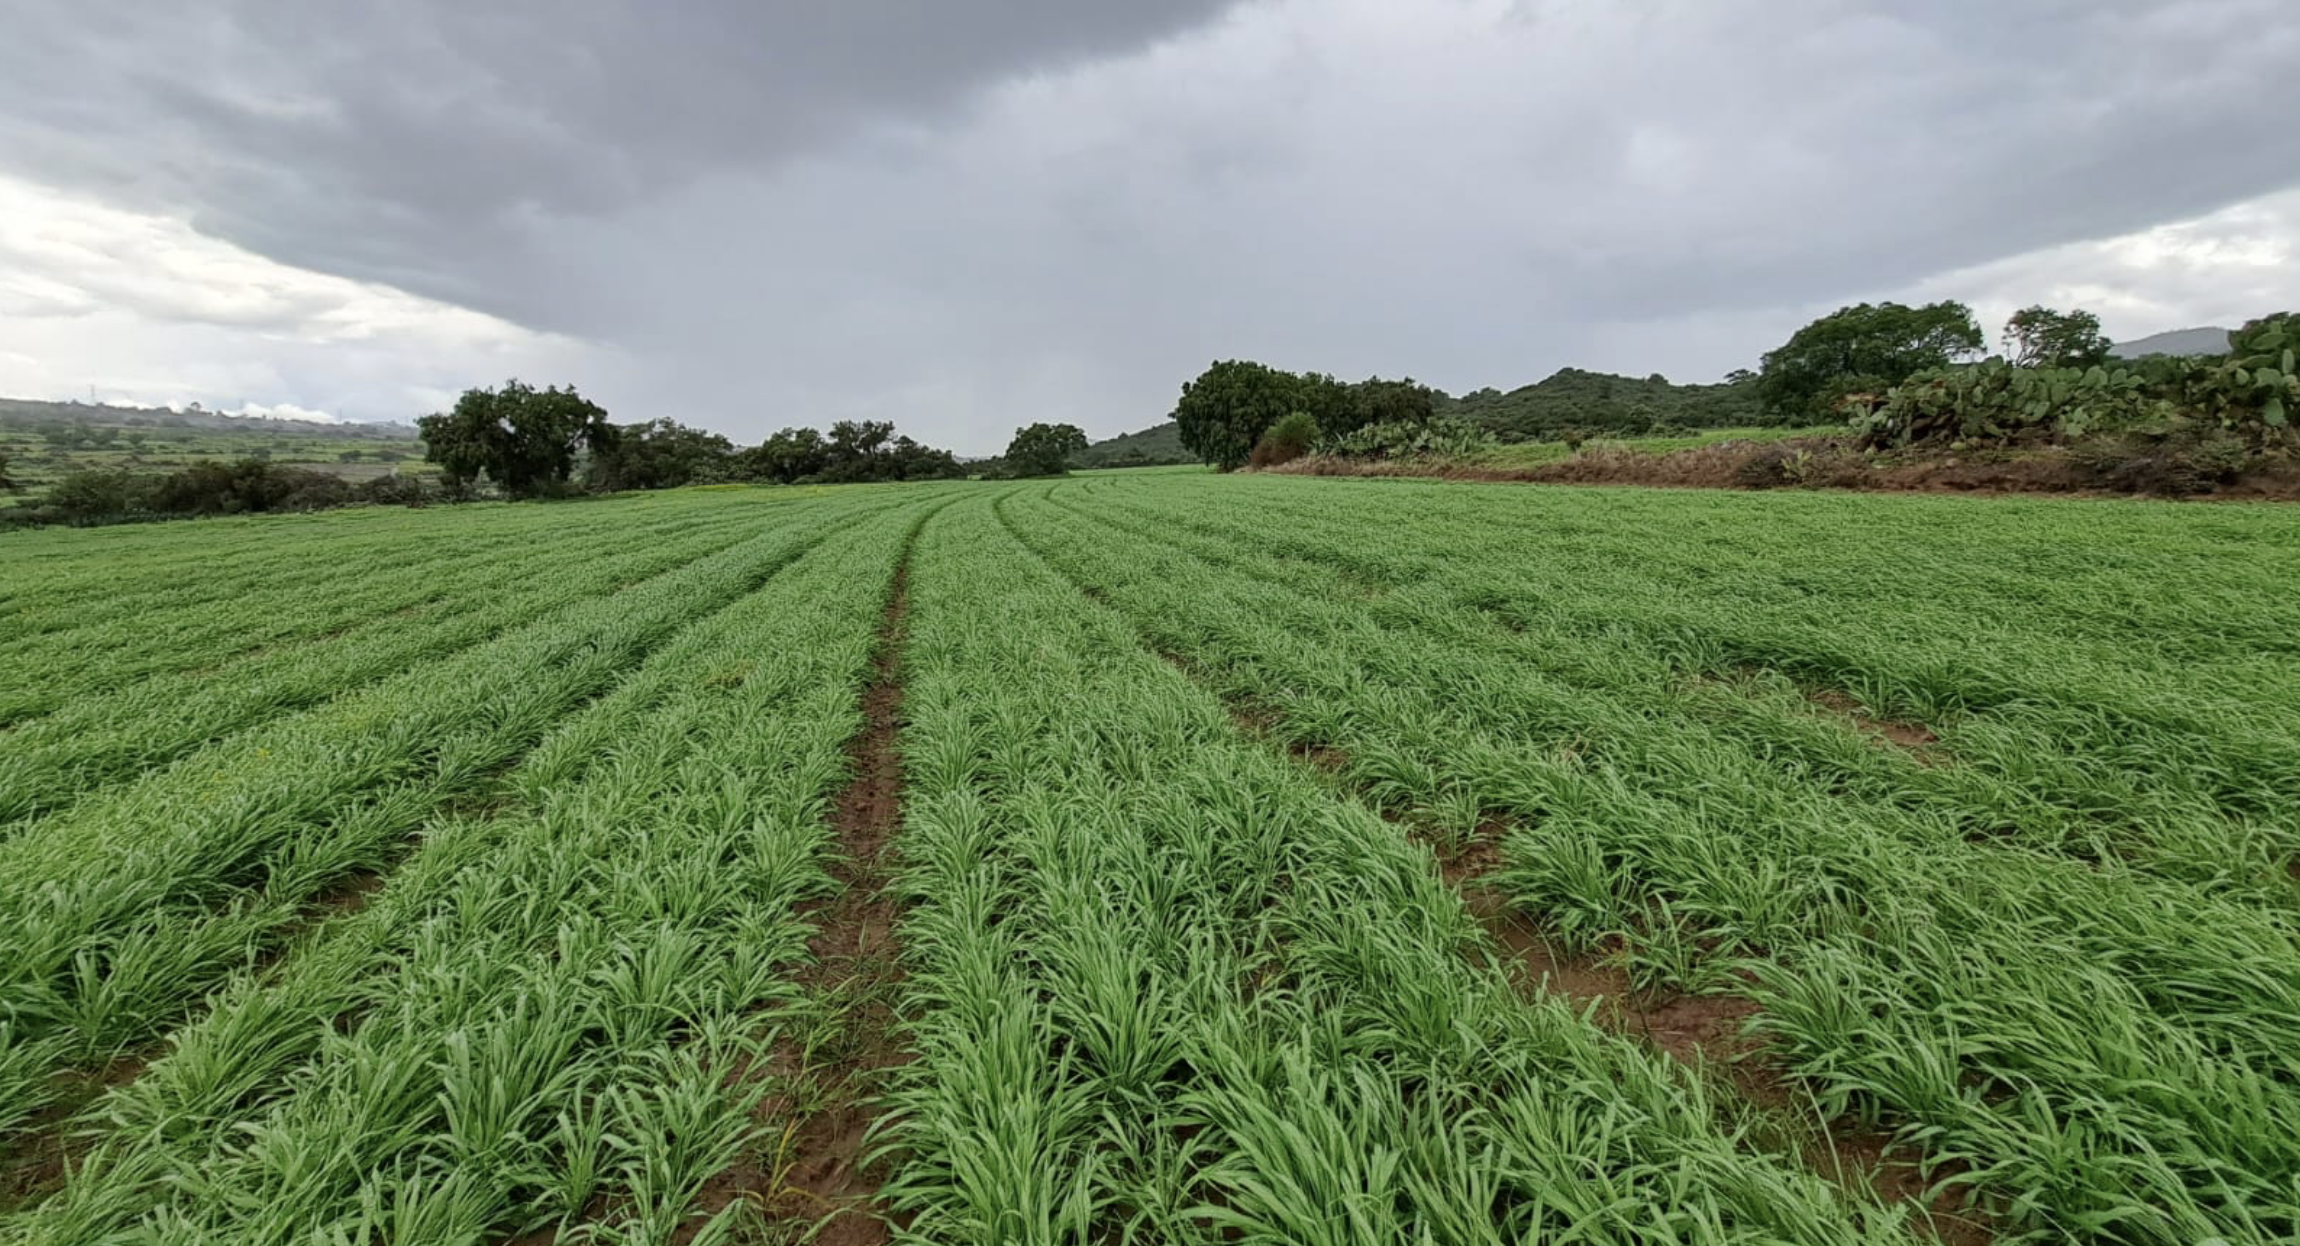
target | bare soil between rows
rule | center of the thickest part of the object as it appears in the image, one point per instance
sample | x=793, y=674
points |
x=1704, y=1033
x=813, y=1175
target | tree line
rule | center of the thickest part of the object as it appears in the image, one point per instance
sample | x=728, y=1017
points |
x=1237, y=406
x=549, y=442
x=522, y=442
x=531, y=442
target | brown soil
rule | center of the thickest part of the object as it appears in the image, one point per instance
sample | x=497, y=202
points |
x=40, y=1155
x=1915, y=737
x=815, y=1170
x=1703, y=1032
x=348, y=895
x=1830, y=463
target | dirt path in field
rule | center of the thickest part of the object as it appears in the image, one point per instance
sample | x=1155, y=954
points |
x=812, y=1168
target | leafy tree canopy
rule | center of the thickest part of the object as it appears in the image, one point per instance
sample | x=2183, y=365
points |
x=1870, y=345
x=524, y=438
x=661, y=454
x=1044, y=449
x=1229, y=406
x=2039, y=337
x=851, y=440
x=791, y=455
x=1376, y=401
x=1225, y=411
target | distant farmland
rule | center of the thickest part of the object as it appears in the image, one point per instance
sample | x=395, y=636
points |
x=1160, y=857
x=46, y=441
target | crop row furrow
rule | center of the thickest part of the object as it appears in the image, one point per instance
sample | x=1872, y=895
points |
x=204, y=864
x=74, y=753
x=1631, y=832
x=2218, y=806
x=538, y=1020
x=2186, y=696
x=1165, y=987
x=217, y=639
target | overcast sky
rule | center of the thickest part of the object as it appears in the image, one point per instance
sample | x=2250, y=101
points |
x=968, y=216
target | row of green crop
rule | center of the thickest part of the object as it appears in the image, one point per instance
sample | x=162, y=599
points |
x=1164, y=986
x=62, y=757
x=2106, y=1052
x=125, y=908
x=539, y=1022
x=61, y=581
x=2081, y=598
x=64, y=588
x=2165, y=756
x=301, y=594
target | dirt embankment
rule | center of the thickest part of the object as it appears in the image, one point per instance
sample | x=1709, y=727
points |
x=1835, y=463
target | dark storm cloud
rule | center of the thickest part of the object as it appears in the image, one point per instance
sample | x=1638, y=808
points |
x=422, y=142
x=1838, y=149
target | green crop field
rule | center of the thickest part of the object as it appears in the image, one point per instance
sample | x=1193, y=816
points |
x=1155, y=857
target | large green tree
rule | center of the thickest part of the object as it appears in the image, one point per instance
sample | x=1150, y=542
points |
x=1044, y=449
x=525, y=439
x=1230, y=405
x=787, y=457
x=854, y=440
x=1376, y=401
x=1870, y=345
x=2039, y=337
x=661, y=454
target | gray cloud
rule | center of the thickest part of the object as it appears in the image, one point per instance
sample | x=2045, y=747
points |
x=967, y=217
x=425, y=143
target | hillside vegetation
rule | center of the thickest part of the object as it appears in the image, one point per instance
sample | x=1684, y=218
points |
x=1159, y=445
x=1600, y=404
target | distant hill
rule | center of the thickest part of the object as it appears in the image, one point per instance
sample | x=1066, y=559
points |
x=1157, y=445
x=22, y=414
x=1602, y=404
x=2177, y=342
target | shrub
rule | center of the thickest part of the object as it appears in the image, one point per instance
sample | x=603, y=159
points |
x=1440, y=438
x=1287, y=440
x=2254, y=391
x=102, y=496
x=2192, y=457
x=1996, y=403
x=1766, y=469
x=246, y=487
x=397, y=490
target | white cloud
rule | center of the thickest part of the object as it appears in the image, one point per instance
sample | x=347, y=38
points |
x=2222, y=268
x=284, y=411
x=140, y=307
